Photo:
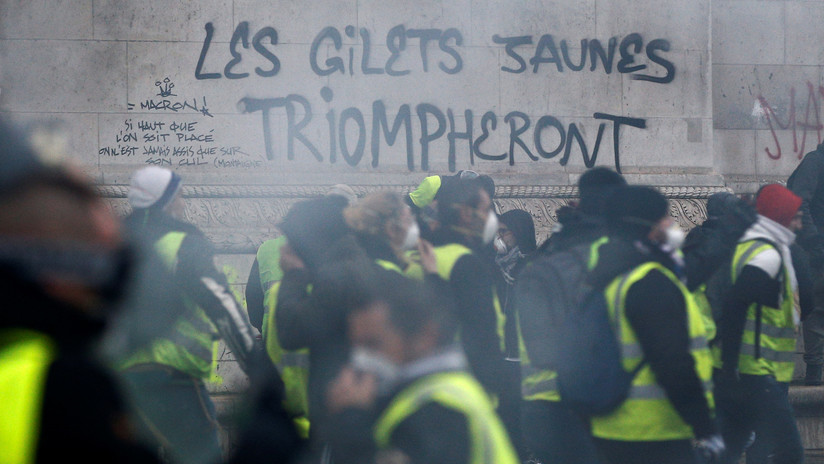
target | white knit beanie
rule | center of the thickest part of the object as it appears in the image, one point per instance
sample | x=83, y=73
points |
x=153, y=186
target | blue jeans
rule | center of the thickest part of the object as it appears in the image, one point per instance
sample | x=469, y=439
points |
x=175, y=412
x=757, y=403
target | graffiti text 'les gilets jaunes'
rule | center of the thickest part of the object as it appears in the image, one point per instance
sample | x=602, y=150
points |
x=545, y=53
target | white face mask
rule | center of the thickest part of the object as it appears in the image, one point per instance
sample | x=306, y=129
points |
x=675, y=237
x=369, y=361
x=490, y=228
x=413, y=233
x=500, y=245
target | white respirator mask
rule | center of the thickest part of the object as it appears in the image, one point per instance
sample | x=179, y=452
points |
x=490, y=228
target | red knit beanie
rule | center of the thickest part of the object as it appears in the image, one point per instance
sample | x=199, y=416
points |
x=777, y=203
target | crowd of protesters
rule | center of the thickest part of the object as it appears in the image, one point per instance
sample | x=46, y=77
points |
x=405, y=328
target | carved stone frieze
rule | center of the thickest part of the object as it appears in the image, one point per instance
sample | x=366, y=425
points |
x=238, y=218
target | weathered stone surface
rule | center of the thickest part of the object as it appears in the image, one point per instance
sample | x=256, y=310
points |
x=748, y=32
x=58, y=77
x=572, y=21
x=684, y=24
x=734, y=151
x=161, y=20
x=67, y=19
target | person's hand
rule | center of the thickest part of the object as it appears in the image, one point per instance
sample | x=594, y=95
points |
x=429, y=262
x=711, y=448
x=289, y=260
x=351, y=389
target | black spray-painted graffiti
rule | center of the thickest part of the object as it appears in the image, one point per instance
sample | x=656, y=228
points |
x=175, y=140
x=401, y=40
x=434, y=122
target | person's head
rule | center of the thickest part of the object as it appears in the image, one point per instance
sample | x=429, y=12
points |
x=718, y=204
x=56, y=233
x=779, y=204
x=594, y=188
x=156, y=189
x=344, y=191
x=384, y=215
x=401, y=323
x=517, y=228
x=311, y=226
x=638, y=212
x=467, y=207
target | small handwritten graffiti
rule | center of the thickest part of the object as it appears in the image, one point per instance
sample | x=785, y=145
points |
x=175, y=143
x=165, y=88
x=811, y=121
x=165, y=104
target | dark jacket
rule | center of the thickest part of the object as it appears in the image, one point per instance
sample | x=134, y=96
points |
x=472, y=286
x=316, y=319
x=807, y=181
x=83, y=412
x=657, y=311
x=198, y=279
x=577, y=228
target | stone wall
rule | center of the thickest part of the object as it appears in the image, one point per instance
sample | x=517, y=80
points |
x=258, y=104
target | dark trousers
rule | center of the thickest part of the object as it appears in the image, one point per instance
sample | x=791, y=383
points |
x=175, y=412
x=647, y=452
x=757, y=403
x=552, y=433
x=813, y=330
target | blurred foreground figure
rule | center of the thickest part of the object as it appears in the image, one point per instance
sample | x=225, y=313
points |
x=62, y=265
x=167, y=377
x=407, y=394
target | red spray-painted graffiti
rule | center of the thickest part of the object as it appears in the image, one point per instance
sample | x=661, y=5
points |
x=811, y=122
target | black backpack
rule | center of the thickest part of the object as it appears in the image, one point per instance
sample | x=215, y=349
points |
x=580, y=342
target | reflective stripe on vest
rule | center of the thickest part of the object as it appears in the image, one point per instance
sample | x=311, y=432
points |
x=389, y=265
x=774, y=352
x=647, y=415
x=293, y=365
x=25, y=357
x=542, y=384
x=268, y=259
x=447, y=255
x=192, y=345
x=457, y=391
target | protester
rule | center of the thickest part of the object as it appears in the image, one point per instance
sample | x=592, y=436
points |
x=584, y=223
x=807, y=181
x=167, y=379
x=385, y=228
x=266, y=267
x=424, y=199
x=514, y=244
x=407, y=395
x=660, y=329
x=64, y=266
x=757, y=334
x=552, y=432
